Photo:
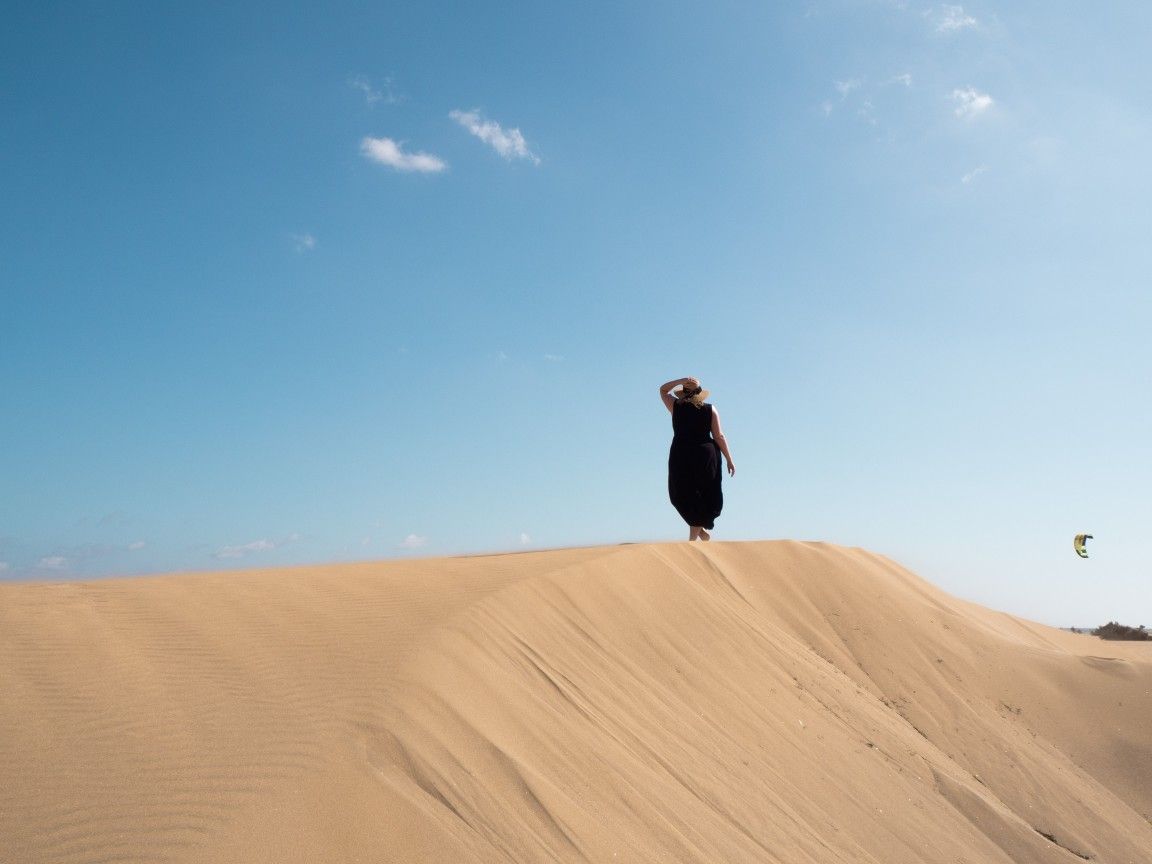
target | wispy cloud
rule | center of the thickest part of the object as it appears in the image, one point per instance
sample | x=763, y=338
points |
x=951, y=19
x=303, y=242
x=863, y=95
x=245, y=549
x=973, y=174
x=388, y=152
x=4, y=565
x=386, y=93
x=970, y=102
x=553, y=358
x=81, y=555
x=525, y=540
x=846, y=87
x=413, y=541
x=508, y=143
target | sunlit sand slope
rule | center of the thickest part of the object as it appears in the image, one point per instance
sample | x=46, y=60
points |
x=726, y=702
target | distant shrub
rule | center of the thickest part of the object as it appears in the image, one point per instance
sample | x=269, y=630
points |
x=1113, y=630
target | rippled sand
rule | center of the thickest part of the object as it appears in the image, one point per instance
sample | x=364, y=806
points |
x=728, y=702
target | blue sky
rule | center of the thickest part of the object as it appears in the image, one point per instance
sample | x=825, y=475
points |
x=351, y=281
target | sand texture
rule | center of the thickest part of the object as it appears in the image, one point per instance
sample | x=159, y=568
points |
x=777, y=702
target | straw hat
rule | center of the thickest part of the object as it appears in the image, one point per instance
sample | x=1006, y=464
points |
x=693, y=392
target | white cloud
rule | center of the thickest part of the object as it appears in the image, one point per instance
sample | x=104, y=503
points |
x=525, y=540
x=244, y=549
x=303, y=242
x=387, y=94
x=370, y=93
x=973, y=174
x=4, y=565
x=139, y=544
x=951, y=19
x=388, y=152
x=905, y=79
x=846, y=87
x=413, y=541
x=262, y=545
x=970, y=102
x=510, y=144
x=53, y=562
x=553, y=358
x=364, y=86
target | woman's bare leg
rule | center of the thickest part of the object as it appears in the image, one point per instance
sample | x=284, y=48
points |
x=703, y=535
x=693, y=533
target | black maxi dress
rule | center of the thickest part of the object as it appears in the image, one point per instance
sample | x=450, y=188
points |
x=694, y=465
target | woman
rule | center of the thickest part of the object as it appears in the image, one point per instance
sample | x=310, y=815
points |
x=694, y=459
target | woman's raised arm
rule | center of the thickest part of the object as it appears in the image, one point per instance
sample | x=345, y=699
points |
x=666, y=391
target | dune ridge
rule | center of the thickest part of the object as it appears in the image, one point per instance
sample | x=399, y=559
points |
x=767, y=701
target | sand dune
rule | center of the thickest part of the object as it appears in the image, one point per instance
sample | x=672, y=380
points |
x=726, y=702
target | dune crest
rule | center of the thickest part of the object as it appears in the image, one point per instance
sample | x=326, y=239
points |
x=769, y=702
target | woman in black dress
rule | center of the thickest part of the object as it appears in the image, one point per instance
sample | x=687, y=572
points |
x=694, y=459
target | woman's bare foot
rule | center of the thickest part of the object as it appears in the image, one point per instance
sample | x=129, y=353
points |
x=704, y=535
x=694, y=533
